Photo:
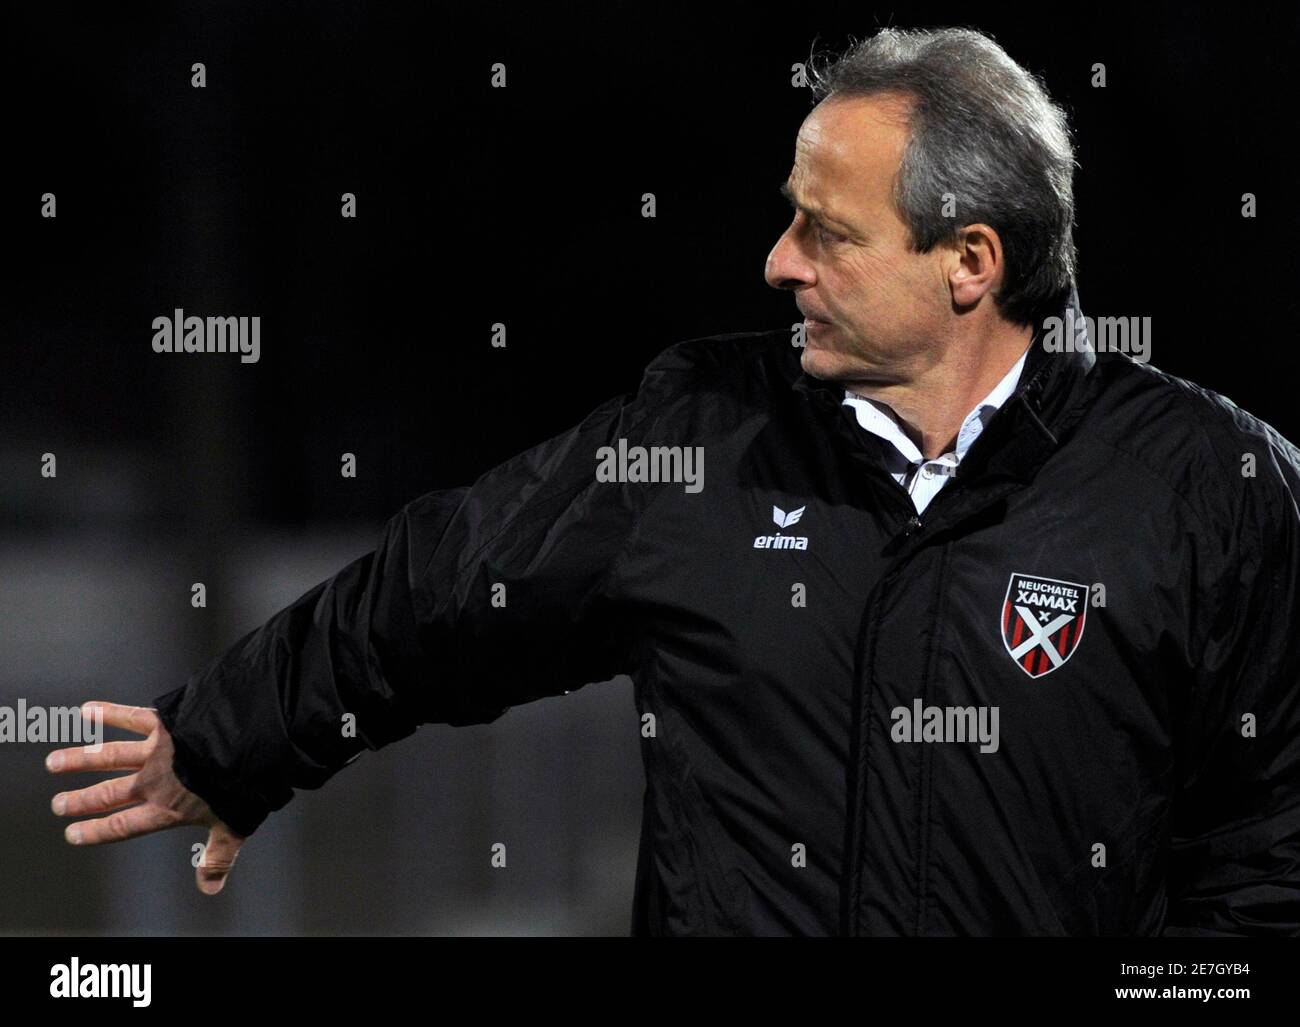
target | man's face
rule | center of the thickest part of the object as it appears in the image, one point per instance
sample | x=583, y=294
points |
x=874, y=308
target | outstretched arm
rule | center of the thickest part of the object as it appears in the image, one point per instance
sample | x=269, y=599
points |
x=475, y=600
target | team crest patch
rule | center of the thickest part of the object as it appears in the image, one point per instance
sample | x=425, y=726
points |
x=1042, y=621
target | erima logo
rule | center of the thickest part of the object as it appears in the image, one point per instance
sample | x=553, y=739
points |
x=784, y=520
x=778, y=541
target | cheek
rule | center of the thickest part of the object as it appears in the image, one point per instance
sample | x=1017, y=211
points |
x=889, y=284
x=882, y=269
x=858, y=288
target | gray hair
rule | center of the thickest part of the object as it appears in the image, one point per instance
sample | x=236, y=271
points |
x=985, y=130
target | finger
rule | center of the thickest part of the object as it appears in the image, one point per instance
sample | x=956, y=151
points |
x=109, y=756
x=218, y=857
x=98, y=798
x=139, y=719
x=129, y=823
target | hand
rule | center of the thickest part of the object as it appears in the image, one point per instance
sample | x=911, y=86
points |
x=155, y=797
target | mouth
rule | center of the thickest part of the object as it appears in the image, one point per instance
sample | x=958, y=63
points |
x=813, y=332
x=813, y=320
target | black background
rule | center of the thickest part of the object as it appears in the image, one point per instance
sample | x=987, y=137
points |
x=522, y=205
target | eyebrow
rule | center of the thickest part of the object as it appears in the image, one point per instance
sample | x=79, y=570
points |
x=820, y=215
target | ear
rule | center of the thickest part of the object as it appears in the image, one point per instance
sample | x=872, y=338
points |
x=977, y=270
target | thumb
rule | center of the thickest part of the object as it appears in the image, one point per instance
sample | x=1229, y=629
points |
x=218, y=857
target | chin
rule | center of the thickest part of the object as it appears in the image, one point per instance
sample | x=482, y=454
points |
x=824, y=364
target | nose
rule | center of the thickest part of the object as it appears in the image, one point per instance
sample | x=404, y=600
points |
x=787, y=267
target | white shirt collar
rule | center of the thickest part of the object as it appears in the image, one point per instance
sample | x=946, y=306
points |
x=880, y=420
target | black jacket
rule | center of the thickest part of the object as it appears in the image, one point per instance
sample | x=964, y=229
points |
x=1146, y=776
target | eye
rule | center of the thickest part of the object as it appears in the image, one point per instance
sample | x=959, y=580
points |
x=826, y=236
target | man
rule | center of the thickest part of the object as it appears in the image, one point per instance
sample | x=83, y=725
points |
x=970, y=629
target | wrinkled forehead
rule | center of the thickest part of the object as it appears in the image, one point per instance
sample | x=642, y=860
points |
x=848, y=149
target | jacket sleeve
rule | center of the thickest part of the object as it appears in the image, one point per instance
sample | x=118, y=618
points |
x=475, y=600
x=1235, y=848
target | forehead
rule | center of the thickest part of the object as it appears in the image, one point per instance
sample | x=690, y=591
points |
x=848, y=149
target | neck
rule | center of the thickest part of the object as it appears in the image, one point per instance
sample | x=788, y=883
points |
x=931, y=404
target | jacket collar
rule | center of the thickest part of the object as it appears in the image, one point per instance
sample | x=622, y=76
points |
x=1056, y=387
